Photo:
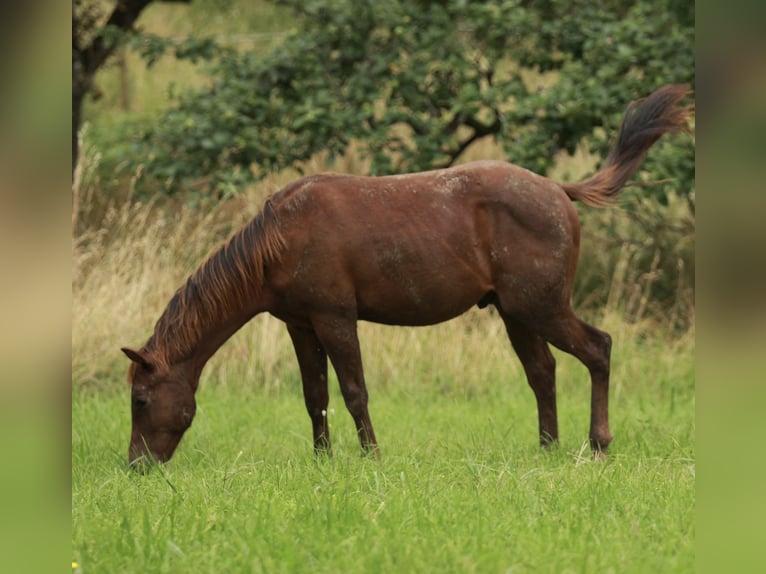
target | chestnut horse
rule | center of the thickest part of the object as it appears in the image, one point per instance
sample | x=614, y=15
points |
x=329, y=250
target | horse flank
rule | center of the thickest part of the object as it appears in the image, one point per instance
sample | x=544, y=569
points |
x=224, y=284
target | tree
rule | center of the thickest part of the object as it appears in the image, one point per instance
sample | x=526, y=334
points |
x=94, y=39
x=414, y=84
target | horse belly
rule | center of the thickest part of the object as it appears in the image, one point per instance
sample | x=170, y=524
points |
x=416, y=297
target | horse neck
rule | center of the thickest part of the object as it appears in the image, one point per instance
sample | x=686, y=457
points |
x=223, y=294
x=216, y=336
x=186, y=335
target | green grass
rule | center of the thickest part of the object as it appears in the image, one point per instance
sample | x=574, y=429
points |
x=461, y=487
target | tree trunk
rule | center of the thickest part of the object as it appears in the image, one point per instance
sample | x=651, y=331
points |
x=76, y=111
x=88, y=59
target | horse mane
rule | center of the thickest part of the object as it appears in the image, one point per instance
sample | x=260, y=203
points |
x=224, y=284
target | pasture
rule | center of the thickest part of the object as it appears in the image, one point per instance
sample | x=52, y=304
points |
x=462, y=485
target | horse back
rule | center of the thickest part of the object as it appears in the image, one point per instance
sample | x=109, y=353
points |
x=419, y=248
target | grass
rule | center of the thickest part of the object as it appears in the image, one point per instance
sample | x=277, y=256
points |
x=461, y=487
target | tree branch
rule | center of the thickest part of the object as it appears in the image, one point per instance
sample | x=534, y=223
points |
x=480, y=130
x=123, y=17
x=86, y=60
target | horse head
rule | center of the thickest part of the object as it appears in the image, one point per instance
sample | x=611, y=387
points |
x=162, y=407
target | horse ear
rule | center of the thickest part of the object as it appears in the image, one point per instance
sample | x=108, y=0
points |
x=138, y=358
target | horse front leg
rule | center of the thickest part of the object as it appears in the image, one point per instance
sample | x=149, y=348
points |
x=312, y=360
x=339, y=337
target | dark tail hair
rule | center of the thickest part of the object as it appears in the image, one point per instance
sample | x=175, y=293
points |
x=645, y=121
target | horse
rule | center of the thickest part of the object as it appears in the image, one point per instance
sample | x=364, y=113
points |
x=329, y=250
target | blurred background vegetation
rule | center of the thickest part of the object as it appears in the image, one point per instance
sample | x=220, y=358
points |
x=188, y=114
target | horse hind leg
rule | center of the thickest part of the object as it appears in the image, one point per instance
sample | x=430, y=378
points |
x=312, y=361
x=557, y=324
x=540, y=368
x=593, y=348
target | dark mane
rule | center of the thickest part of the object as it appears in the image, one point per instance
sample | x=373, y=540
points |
x=222, y=285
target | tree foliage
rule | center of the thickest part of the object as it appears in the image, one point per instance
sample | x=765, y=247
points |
x=96, y=34
x=414, y=83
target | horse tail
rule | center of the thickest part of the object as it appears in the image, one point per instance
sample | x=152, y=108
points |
x=645, y=121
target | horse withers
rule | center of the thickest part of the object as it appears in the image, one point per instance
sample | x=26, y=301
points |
x=417, y=249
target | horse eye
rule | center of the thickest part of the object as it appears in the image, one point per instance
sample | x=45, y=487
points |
x=139, y=402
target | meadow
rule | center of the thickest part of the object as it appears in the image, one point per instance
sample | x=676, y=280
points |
x=462, y=485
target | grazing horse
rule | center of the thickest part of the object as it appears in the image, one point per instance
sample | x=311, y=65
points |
x=417, y=249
